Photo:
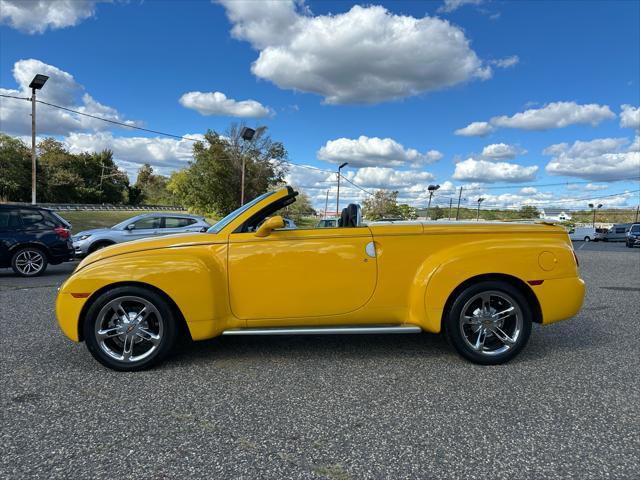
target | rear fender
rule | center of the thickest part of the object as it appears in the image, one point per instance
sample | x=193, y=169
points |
x=443, y=272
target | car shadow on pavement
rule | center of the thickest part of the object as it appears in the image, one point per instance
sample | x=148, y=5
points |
x=311, y=347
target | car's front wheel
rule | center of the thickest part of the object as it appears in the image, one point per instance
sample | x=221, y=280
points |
x=129, y=328
x=489, y=323
x=29, y=262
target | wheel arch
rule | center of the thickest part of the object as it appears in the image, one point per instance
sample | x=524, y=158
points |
x=40, y=246
x=515, y=282
x=105, y=242
x=183, y=328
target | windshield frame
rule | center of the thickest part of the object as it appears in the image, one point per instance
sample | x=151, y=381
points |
x=223, y=222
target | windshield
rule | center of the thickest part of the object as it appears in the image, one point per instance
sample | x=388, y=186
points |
x=232, y=216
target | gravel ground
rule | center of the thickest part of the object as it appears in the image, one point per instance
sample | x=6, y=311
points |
x=341, y=407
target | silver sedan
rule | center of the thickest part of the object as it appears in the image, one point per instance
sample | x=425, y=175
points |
x=140, y=226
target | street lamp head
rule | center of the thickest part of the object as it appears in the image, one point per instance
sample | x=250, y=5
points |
x=343, y=165
x=433, y=188
x=480, y=200
x=247, y=133
x=38, y=82
x=599, y=205
x=591, y=205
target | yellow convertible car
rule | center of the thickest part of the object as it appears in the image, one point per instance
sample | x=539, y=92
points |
x=481, y=284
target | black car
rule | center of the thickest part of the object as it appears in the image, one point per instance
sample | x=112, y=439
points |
x=633, y=236
x=31, y=238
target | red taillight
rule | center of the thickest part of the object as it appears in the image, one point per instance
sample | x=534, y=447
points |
x=62, y=232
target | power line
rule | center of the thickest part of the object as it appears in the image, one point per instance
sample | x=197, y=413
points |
x=356, y=185
x=14, y=97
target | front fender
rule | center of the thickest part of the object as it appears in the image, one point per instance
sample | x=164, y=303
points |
x=193, y=277
x=440, y=274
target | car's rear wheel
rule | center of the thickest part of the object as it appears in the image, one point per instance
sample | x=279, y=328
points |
x=587, y=239
x=29, y=262
x=489, y=323
x=129, y=328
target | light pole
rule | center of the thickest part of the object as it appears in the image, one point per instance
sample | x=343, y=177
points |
x=480, y=200
x=36, y=84
x=326, y=204
x=432, y=189
x=593, y=206
x=338, y=195
x=247, y=135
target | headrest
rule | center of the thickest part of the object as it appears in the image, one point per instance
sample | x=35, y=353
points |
x=350, y=216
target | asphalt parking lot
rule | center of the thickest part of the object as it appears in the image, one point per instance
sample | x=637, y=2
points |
x=341, y=407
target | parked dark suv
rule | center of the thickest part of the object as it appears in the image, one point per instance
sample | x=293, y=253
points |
x=31, y=238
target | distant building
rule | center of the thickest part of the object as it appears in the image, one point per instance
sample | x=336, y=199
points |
x=554, y=214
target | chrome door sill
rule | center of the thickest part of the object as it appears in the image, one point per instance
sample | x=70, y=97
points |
x=346, y=330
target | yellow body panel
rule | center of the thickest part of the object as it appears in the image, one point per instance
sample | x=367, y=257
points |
x=329, y=276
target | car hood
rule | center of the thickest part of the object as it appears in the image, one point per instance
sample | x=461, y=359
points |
x=95, y=231
x=154, y=243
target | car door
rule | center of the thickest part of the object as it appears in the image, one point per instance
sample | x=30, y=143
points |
x=143, y=228
x=300, y=273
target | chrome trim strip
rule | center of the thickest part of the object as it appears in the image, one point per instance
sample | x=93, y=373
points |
x=324, y=330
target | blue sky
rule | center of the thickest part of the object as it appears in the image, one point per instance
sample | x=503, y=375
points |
x=384, y=86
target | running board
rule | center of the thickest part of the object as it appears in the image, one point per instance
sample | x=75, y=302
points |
x=350, y=330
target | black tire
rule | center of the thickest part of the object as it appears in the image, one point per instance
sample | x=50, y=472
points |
x=587, y=239
x=167, y=334
x=29, y=261
x=98, y=246
x=454, y=329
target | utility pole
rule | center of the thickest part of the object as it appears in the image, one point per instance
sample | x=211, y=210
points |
x=450, y=205
x=637, y=211
x=480, y=200
x=338, y=194
x=326, y=204
x=458, y=210
x=36, y=84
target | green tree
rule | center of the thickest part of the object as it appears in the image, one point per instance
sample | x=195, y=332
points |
x=15, y=165
x=529, y=211
x=153, y=187
x=407, y=212
x=212, y=181
x=381, y=204
x=436, y=213
x=81, y=178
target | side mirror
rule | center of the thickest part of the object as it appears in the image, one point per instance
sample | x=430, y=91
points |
x=131, y=226
x=269, y=225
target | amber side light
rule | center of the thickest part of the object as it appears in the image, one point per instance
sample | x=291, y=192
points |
x=535, y=282
x=80, y=295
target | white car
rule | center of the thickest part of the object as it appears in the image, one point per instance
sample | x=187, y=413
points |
x=580, y=234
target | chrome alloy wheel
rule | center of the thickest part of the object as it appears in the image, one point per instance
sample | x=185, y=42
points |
x=29, y=262
x=491, y=323
x=129, y=329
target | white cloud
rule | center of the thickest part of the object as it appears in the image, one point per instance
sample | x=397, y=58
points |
x=500, y=151
x=164, y=154
x=61, y=89
x=475, y=129
x=593, y=187
x=556, y=115
x=217, y=103
x=552, y=115
x=36, y=16
x=382, y=177
x=451, y=5
x=600, y=159
x=528, y=190
x=373, y=151
x=365, y=55
x=489, y=172
x=506, y=62
x=630, y=117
